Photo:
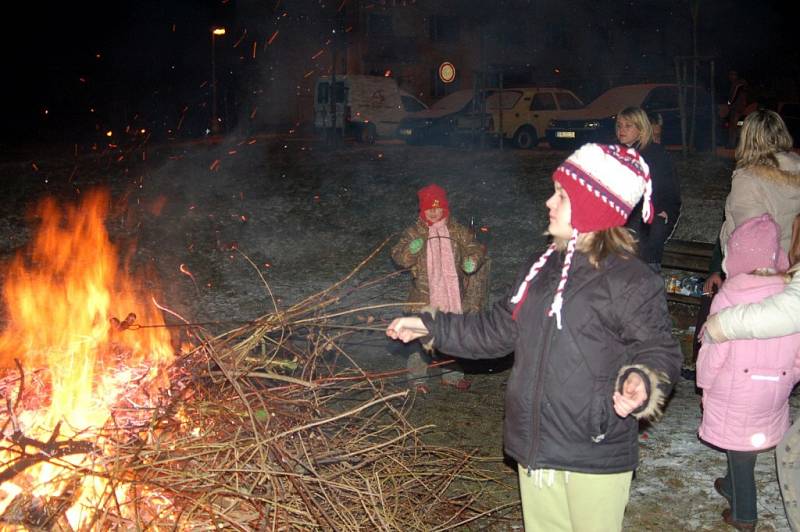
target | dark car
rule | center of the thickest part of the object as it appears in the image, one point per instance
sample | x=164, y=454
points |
x=596, y=122
x=436, y=125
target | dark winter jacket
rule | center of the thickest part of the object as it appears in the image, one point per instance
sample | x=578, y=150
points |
x=666, y=198
x=559, y=410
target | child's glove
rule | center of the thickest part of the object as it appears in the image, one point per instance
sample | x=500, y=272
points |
x=469, y=265
x=415, y=246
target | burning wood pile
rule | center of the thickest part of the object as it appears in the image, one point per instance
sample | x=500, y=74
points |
x=259, y=428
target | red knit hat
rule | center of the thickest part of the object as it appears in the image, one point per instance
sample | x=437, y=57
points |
x=432, y=197
x=604, y=183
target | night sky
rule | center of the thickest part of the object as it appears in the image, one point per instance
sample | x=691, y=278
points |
x=75, y=64
x=74, y=58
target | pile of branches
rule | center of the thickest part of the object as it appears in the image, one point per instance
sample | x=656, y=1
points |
x=265, y=428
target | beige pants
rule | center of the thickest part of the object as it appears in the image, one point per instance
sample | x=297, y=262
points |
x=559, y=501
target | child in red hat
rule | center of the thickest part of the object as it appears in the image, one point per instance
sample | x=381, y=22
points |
x=593, y=351
x=441, y=254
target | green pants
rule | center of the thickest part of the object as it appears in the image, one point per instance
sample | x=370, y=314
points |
x=556, y=501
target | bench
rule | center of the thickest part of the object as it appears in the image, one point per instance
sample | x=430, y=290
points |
x=687, y=256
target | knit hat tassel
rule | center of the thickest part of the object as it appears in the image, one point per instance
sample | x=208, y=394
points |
x=647, y=202
x=522, y=291
x=558, y=300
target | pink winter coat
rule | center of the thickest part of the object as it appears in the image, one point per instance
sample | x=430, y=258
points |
x=746, y=383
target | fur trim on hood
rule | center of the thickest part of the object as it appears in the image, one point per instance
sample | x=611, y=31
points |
x=770, y=173
x=787, y=174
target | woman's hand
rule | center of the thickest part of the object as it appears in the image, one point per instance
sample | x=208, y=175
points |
x=634, y=394
x=406, y=329
x=712, y=284
x=712, y=333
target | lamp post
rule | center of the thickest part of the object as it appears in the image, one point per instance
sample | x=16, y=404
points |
x=215, y=32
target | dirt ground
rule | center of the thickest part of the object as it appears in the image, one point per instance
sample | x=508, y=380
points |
x=305, y=215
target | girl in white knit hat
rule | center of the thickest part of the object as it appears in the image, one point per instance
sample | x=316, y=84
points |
x=593, y=351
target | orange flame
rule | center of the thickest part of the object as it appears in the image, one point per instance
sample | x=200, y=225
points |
x=60, y=299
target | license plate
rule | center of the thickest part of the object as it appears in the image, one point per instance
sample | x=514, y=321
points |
x=405, y=132
x=565, y=134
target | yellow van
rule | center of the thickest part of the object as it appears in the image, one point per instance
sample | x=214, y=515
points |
x=522, y=114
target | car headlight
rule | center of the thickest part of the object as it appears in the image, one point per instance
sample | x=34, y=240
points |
x=591, y=124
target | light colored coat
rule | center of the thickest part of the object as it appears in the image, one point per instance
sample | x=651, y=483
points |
x=746, y=383
x=756, y=190
x=778, y=315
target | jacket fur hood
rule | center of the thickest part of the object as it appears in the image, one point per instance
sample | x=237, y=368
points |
x=788, y=173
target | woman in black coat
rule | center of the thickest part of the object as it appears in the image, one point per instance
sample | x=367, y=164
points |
x=634, y=129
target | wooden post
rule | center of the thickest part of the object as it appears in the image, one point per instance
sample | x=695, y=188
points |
x=500, y=106
x=332, y=96
x=713, y=111
x=684, y=113
x=484, y=78
x=693, y=121
x=480, y=130
x=681, y=104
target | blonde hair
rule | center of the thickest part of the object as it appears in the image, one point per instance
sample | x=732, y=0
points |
x=641, y=121
x=598, y=245
x=763, y=135
x=614, y=241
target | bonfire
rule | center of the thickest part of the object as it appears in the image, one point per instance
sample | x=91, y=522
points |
x=121, y=414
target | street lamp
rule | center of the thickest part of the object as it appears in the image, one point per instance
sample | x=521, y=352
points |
x=215, y=32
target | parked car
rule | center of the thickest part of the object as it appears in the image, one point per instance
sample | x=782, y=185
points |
x=410, y=103
x=520, y=115
x=435, y=125
x=367, y=107
x=596, y=121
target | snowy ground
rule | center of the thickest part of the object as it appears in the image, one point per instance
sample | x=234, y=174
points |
x=306, y=215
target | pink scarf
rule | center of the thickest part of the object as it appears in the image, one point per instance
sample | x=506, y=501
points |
x=442, y=274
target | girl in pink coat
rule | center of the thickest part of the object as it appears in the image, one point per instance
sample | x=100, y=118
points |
x=746, y=383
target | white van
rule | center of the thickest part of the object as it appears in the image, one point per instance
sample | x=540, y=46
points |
x=367, y=107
